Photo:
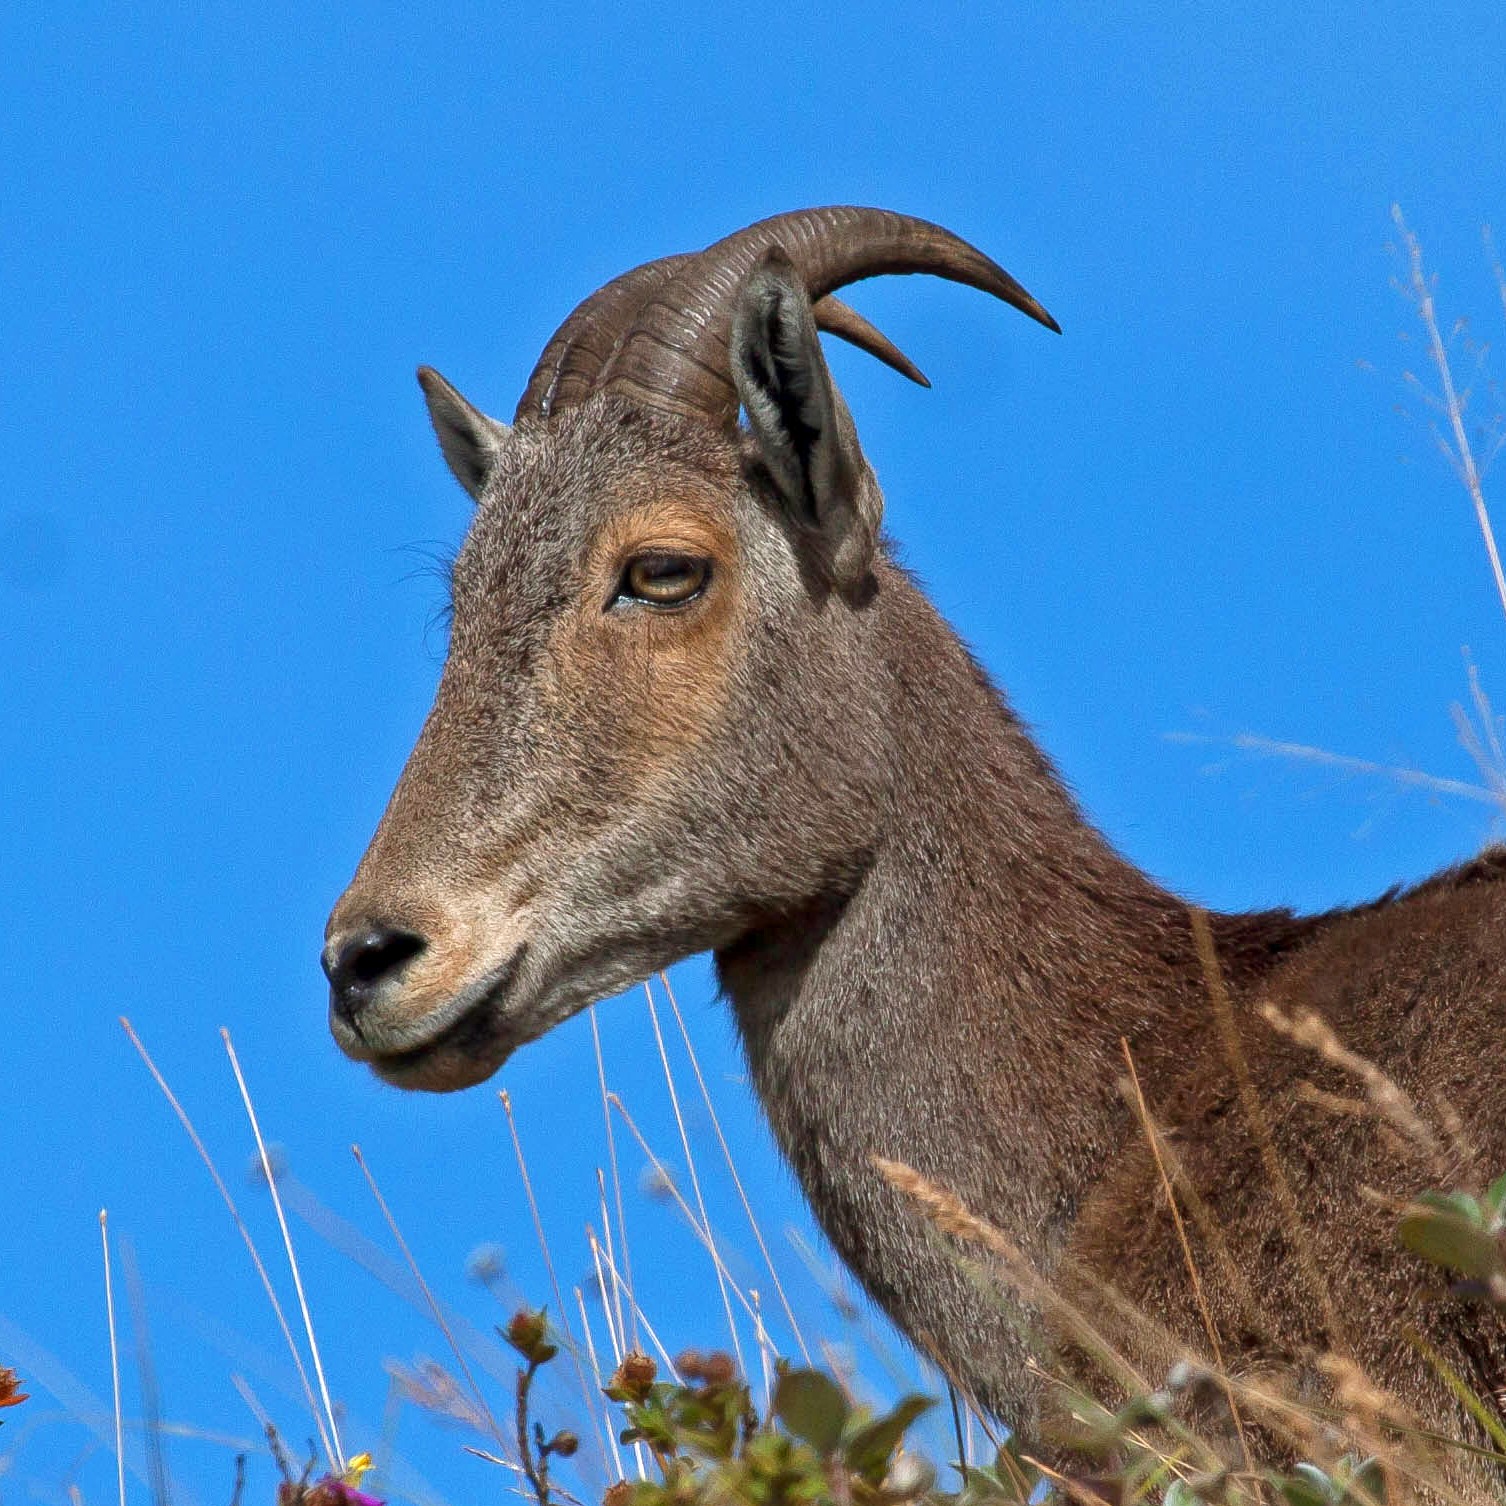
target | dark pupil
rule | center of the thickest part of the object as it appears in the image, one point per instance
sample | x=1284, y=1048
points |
x=665, y=575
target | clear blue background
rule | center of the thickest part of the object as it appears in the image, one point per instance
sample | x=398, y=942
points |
x=227, y=235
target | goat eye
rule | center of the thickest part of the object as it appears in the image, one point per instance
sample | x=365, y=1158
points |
x=664, y=580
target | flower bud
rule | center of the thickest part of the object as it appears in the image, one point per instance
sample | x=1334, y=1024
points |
x=526, y=1332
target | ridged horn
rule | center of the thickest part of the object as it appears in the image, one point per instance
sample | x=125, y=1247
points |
x=567, y=371
x=674, y=355
x=572, y=362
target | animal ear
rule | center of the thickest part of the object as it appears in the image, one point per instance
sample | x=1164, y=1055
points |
x=805, y=435
x=469, y=439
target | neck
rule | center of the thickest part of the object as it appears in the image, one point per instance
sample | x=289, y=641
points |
x=961, y=1006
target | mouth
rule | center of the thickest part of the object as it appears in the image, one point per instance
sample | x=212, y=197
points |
x=474, y=1039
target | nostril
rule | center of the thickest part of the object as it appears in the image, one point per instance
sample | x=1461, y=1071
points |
x=357, y=965
x=372, y=956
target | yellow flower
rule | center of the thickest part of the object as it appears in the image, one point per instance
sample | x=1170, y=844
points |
x=357, y=1466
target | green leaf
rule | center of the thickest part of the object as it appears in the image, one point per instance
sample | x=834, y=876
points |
x=1459, y=1203
x=1297, y=1492
x=1307, y=1485
x=812, y=1407
x=1368, y=1482
x=1010, y=1465
x=1450, y=1239
x=867, y=1451
x=1494, y=1200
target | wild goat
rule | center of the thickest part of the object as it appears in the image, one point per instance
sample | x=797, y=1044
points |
x=692, y=704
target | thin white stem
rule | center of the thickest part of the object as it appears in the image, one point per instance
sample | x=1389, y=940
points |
x=1254, y=742
x=695, y=1181
x=607, y=1291
x=1453, y=407
x=257, y=1262
x=1493, y=768
x=104, y=1239
x=833, y=1286
x=601, y=1203
x=434, y=1308
x=607, y=1294
x=538, y=1229
x=1495, y=264
x=606, y=1114
x=585, y=1323
x=606, y=1231
x=737, y=1181
x=668, y=1182
x=648, y=1328
x=247, y=1395
x=761, y=1337
x=336, y=1453
x=1487, y=717
x=1469, y=740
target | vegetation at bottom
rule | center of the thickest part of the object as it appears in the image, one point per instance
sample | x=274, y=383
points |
x=707, y=1441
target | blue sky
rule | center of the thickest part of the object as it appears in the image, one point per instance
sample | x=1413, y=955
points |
x=228, y=236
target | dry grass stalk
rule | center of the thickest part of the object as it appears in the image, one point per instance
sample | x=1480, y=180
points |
x=554, y=1285
x=336, y=1452
x=1230, y=1275
x=948, y=1213
x=1272, y=747
x=1459, y=452
x=622, y=1237
x=1308, y=1028
x=1366, y=1409
x=429, y=1386
x=598, y=1254
x=1461, y=1147
x=1333, y=1103
x=104, y=1239
x=695, y=1179
x=1209, y=1327
x=489, y=1422
x=245, y=1233
x=1218, y=995
x=1289, y=1422
x=737, y=1181
x=596, y=1372
x=1483, y=741
x=702, y=1232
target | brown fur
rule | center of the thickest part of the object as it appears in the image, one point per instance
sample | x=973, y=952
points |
x=930, y=956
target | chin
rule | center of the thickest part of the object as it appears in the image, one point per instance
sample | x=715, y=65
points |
x=463, y=1054
x=442, y=1070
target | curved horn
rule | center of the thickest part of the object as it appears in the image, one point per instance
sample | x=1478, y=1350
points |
x=572, y=361
x=846, y=323
x=674, y=356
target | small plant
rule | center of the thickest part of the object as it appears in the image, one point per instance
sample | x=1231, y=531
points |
x=528, y=1333
x=1352, y=1482
x=709, y=1443
x=11, y=1394
x=304, y=1490
x=1462, y=1233
x=815, y=1444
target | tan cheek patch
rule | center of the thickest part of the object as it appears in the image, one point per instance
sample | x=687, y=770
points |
x=651, y=684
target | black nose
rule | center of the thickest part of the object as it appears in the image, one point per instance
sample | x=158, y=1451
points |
x=357, y=965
